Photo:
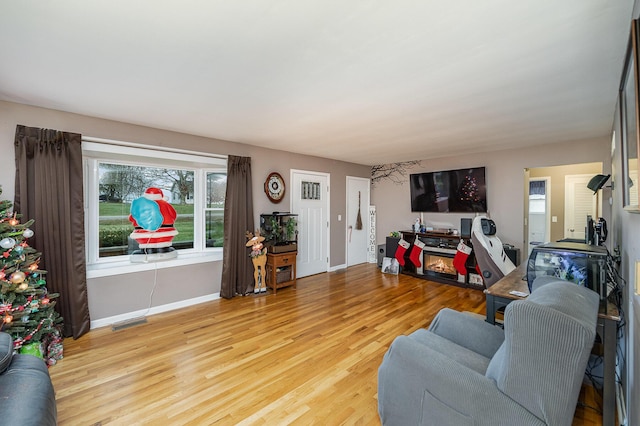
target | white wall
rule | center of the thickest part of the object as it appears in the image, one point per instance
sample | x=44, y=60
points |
x=625, y=234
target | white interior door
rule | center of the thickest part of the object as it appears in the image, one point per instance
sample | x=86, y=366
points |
x=310, y=201
x=357, y=220
x=579, y=201
x=539, y=224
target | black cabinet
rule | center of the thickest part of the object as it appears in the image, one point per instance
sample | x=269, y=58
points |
x=436, y=259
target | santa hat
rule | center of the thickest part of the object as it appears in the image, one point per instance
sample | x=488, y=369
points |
x=153, y=194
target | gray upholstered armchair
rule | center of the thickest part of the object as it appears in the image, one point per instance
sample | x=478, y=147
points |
x=464, y=371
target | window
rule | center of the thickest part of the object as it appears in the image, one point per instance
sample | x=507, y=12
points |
x=214, y=210
x=117, y=174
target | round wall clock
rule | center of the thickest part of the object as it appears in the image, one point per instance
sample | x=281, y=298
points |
x=274, y=187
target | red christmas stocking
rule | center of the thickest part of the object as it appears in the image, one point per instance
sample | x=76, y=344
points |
x=460, y=259
x=402, y=248
x=416, y=253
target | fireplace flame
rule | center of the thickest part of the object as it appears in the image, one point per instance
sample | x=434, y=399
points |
x=441, y=266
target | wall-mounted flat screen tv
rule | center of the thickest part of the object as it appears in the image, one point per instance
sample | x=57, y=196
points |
x=450, y=191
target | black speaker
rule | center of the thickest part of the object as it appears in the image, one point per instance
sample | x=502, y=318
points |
x=392, y=246
x=512, y=253
x=382, y=250
x=465, y=227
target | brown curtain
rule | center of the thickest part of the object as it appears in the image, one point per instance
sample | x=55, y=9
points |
x=49, y=190
x=237, y=269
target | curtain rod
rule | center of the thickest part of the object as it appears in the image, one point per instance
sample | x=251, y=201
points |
x=151, y=147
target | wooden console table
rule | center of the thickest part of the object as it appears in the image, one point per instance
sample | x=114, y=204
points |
x=499, y=296
x=281, y=263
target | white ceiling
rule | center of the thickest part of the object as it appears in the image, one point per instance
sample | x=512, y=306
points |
x=358, y=80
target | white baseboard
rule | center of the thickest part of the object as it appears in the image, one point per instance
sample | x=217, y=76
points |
x=338, y=267
x=103, y=322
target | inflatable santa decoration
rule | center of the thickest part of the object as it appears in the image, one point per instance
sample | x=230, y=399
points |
x=153, y=219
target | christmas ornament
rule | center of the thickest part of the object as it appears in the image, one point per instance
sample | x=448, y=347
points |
x=17, y=277
x=7, y=243
x=27, y=233
x=13, y=221
x=18, y=249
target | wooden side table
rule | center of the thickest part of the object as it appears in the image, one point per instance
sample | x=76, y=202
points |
x=281, y=267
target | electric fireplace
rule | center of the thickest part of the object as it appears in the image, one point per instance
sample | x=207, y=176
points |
x=439, y=264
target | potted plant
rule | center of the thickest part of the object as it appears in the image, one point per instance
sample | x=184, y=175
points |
x=290, y=226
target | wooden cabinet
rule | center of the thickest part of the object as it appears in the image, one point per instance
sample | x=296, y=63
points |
x=281, y=270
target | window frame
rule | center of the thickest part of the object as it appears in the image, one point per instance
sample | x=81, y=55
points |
x=96, y=151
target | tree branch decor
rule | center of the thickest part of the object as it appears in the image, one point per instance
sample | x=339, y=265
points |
x=395, y=172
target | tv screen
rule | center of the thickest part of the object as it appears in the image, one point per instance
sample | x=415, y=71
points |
x=450, y=191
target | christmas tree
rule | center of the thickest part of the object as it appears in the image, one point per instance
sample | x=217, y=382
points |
x=26, y=307
x=469, y=189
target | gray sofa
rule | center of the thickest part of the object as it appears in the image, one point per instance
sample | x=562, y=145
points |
x=26, y=392
x=465, y=371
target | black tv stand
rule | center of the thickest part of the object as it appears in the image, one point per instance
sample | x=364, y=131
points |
x=437, y=259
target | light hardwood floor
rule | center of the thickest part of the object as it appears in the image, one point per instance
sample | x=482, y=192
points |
x=303, y=356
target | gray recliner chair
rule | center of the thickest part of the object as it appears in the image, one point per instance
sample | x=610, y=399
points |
x=465, y=371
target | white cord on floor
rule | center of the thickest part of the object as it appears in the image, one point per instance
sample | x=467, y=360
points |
x=153, y=289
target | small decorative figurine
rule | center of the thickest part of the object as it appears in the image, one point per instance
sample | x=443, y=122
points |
x=417, y=226
x=259, y=258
